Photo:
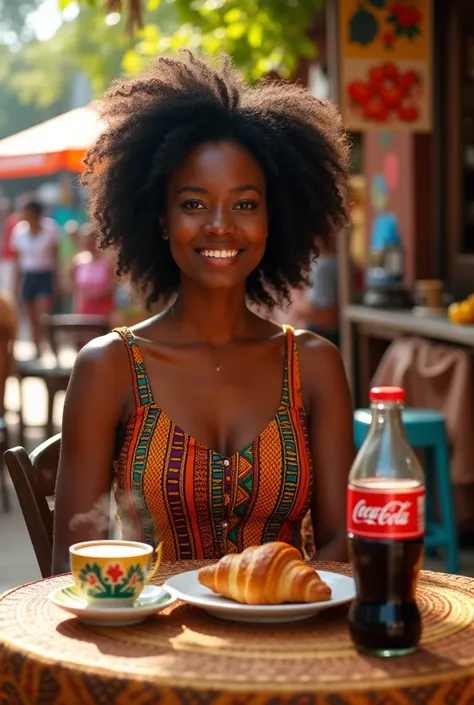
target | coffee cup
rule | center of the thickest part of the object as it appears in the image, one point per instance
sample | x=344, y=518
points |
x=112, y=573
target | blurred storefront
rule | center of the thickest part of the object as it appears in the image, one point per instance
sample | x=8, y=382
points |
x=403, y=74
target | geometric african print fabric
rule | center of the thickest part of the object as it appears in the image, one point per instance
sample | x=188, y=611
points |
x=171, y=488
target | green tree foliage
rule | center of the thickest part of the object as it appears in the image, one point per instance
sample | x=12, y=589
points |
x=41, y=72
x=14, y=114
x=262, y=36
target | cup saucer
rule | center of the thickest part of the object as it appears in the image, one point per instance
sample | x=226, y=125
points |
x=152, y=600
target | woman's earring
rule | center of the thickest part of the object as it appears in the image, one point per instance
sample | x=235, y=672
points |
x=165, y=235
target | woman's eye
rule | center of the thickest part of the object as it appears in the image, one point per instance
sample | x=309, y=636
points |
x=192, y=204
x=247, y=205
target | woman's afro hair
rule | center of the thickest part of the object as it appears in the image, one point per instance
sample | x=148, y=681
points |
x=155, y=119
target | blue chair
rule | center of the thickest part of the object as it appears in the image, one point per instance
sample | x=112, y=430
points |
x=426, y=429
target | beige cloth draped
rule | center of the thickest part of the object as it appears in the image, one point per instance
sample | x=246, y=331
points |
x=441, y=377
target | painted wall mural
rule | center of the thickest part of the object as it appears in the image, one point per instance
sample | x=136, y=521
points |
x=386, y=65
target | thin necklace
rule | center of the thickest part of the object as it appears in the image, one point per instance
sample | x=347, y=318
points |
x=198, y=344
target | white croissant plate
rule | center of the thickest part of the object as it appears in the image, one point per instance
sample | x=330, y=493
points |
x=186, y=587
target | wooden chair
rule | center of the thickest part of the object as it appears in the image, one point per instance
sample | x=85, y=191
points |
x=78, y=329
x=7, y=335
x=4, y=443
x=34, y=480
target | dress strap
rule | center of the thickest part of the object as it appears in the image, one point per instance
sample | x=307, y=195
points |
x=141, y=385
x=291, y=384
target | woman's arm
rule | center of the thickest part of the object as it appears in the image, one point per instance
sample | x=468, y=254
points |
x=94, y=408
x=330, y=428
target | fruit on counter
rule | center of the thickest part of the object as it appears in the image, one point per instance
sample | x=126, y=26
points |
x=462, y=311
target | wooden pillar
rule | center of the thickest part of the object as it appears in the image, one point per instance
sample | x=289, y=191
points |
x=343, y=254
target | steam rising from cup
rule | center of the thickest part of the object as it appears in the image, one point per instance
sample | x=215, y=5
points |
x=110, y=515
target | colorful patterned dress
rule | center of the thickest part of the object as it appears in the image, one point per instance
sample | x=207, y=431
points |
x=171, y=488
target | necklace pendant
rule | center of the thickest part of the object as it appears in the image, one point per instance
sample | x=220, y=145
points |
x=218, y=368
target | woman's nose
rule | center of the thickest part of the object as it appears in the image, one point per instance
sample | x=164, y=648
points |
x=220, y=222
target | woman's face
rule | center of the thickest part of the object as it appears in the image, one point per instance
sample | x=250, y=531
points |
x=216, y=215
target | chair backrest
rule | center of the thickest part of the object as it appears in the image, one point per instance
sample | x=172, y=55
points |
x=76, y=326
x=34, y=479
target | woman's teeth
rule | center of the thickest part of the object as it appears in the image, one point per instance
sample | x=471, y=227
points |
x=219, y=254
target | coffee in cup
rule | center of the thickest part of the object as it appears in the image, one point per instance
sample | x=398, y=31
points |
x=112, y=573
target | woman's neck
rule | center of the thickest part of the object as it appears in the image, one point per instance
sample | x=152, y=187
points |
x=214, y=317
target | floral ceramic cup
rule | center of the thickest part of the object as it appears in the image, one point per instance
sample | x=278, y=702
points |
x=112, y=573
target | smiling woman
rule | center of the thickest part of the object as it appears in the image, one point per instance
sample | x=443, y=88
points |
x=223, y=220
x=217, y=429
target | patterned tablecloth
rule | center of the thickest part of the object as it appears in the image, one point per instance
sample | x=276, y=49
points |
x=182, y=655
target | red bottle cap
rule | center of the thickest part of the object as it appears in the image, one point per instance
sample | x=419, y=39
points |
x=387, y=394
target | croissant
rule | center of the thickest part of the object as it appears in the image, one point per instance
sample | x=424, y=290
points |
x=265, y=575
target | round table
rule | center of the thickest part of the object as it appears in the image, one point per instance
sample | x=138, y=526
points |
x=182, y=655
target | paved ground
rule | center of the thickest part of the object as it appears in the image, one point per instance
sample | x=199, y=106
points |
x=17, y=559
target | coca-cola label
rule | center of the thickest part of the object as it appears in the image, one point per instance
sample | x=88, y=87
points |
x=386, y=514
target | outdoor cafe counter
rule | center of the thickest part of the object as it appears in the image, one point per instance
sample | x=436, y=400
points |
x=182, y=655
x=369, y=331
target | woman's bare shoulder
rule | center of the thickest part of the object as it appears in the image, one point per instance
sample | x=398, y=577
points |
x=106, y=354
x=313, y=345
x=100, y=387
x=321, y=364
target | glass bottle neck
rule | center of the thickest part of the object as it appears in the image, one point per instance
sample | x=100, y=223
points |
x=387, y=418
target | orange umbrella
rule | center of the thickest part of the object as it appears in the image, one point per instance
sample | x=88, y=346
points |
x=59, y=143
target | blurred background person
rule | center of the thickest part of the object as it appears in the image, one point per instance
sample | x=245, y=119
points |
x=93, y=278
x=6, y=263
x=34, y=242
x=11, y=214
x=316, y=308
x=68, y=248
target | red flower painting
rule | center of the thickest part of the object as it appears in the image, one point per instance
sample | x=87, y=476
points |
x=389, y=21
x=405, y=19
x=387, y=93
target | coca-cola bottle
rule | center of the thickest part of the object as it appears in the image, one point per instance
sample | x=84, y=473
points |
x=386, y=523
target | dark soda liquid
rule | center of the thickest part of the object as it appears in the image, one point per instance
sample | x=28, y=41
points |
x=384, y=619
